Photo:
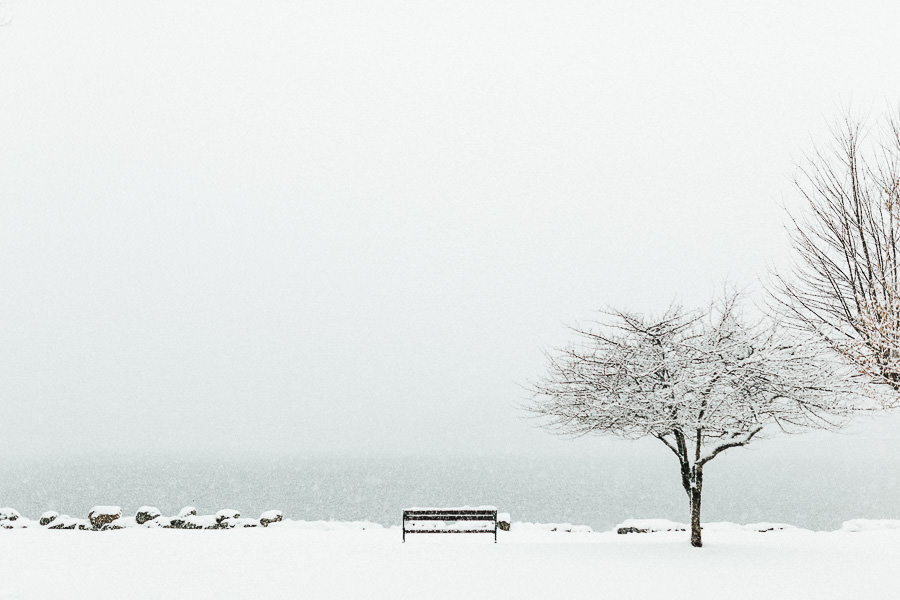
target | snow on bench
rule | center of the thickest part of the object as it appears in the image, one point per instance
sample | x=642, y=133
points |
x=482, y=519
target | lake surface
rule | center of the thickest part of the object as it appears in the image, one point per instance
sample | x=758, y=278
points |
x=594, y=490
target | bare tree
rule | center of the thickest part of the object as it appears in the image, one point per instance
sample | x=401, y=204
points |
x=700, y=382
x=843, y=287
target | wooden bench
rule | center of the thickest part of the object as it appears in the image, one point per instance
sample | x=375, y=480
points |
x=449, y=520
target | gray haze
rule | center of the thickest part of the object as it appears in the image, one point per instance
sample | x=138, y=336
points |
x=352, y=226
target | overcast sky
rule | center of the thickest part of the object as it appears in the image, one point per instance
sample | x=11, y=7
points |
x=353, y=226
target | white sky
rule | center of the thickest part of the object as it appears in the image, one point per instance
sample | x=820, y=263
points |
x=353, y=226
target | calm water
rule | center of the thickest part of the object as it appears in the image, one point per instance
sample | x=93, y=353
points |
x=599, y=491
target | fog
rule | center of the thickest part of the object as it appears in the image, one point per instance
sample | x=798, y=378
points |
x=348, y=227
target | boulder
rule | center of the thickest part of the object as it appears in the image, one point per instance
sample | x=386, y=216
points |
x=269, y=517
x=113, y=525
x=235, y=523
x=67, y=522
x=9, y=514
x=225, y=523
x=626, y=530
x=157, y=522
x=187, y=522
x=101, y=515
x=146, y=513
x=227, y=513
x=48, y=517
x=630, y=529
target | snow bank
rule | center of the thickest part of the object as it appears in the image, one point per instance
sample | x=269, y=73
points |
x=549, y=527
x=328, y=559
x=856, y=525
x=330, y=525
x=660, y=525
x=648, y=526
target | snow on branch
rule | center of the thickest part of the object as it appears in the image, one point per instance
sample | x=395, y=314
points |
x=706, y=375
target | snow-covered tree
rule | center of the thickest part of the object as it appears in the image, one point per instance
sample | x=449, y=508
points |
x=844, y=284
x=700, y=382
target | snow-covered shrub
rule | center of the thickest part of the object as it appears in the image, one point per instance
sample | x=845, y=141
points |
x=48, y=517
x=187, y=511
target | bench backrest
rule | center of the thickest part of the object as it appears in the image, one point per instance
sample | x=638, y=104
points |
x=449, y=514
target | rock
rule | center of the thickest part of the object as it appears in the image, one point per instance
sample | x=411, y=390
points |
x=67, y=522
x=186, y=519
x=188, y=522
x=9, y=514
x=48, y=517
x=101, y=515
x=503, y=521
x=113, y=525
x=157, y=522
x=146, y=513
x=269, y=517
x=624, y=530
x=227, y=513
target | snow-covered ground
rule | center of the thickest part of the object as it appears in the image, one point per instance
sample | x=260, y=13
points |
x=362, y=560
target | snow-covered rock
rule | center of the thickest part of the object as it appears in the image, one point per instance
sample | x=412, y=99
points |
x=246, y=522
x=67, y=522
x=9, y=514
x=648, y=526
x=120, y=523
x=227, y=513
x=269, y=517
x=193, y=522
x=157, y=523
x=145, y=514
x=101, y=515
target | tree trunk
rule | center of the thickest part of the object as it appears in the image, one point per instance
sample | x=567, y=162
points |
x=695, y=518
x=696, y=480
